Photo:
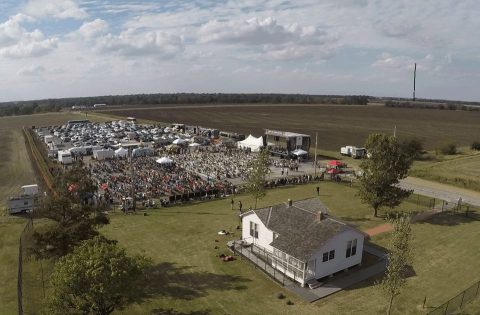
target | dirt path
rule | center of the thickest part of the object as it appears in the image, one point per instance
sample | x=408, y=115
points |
x=382, y=228
x=441, y=191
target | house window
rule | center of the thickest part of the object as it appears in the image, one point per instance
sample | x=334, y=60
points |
x=328, y=255
x=253, y=229
x=351, y=248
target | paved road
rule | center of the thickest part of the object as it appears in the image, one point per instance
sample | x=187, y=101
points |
x=441, y=191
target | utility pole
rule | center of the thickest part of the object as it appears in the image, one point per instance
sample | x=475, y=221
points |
x=414, y=79
x=395, y=131
x=315, y=166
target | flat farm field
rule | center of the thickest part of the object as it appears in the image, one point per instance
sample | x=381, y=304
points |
x=337, y=125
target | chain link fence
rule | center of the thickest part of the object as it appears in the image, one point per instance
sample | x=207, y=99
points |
x=32, y=281
x=457, y=302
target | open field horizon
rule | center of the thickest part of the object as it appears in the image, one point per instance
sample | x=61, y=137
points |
x=337, y=125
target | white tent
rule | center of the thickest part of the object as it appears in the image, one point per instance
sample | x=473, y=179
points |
x=178, y=141
x=252, y=143
x=164, y=160
x=194, y=144
x=121, y=152
x=299, y=152
x=103, y=154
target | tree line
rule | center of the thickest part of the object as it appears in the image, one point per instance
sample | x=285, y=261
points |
x=52, y=105
x=428, y=105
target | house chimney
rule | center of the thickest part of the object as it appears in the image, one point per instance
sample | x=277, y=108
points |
x=320, y=216
x=290, y=202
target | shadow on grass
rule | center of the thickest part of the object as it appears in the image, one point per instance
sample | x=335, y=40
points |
x=355, y=219
x=449, y=218
x=171, y=311
x=166, y=279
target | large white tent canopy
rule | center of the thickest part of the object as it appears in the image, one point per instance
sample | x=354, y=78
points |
x=121, y=152
x=164, y=160
x=252, y=143
x=299, y=152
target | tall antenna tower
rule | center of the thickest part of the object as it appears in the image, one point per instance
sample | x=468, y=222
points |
x=414, y=78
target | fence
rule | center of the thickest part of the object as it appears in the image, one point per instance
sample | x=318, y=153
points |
x=33, y=274
x=21, y=241
x=458, y=301
x=263, y=261
x=38, y=160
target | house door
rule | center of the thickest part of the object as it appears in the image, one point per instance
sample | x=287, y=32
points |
x=311, y=268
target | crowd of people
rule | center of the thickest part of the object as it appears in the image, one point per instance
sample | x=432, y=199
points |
x=221, y=165
x=286, y=164
x=152, y=180
x=192, y=174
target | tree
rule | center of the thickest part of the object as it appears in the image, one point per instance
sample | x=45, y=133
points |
x=413, y=147
x=387, y=164
x=73, y=217
x=96, y=278
x=256, y=176
x=399, y=259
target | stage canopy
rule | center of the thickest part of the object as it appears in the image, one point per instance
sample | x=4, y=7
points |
x=254, y=144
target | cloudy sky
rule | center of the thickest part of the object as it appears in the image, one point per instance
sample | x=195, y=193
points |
x=61, y=48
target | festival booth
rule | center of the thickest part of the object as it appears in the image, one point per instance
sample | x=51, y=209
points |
x=121, y=153
x=335, y=168
x=101, y=155
x=252, y=143
x=300, y=154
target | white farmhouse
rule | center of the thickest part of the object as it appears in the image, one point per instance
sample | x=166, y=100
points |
x=304, y=242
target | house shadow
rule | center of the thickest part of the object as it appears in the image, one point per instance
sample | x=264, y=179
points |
x=449, y=218
x=171, y=311
x=355, y=219
x=179, y=282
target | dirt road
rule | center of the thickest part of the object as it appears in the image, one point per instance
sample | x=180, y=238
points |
x=441, y=191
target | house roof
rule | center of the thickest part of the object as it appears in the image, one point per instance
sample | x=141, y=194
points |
x=300, y=233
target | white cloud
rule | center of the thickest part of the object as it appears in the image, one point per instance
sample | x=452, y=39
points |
x=388, y=61
x=280, y=42
x=17, y=42
x=59, y=9
x=131, y=43
x=90, y=29
x=31, y=71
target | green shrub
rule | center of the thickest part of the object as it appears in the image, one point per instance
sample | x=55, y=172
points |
x=475, y=146
x=449, y=149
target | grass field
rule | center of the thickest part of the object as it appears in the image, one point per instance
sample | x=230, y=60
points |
x=15, y=171
x=336, y=125
x=461, y=170
x=191, y=280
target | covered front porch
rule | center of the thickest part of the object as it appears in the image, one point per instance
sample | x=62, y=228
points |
x=277, y=264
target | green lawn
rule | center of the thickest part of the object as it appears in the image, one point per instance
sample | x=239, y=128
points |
x=190, y=277
x=460, y=170
x=15, y=171
x=10, y=229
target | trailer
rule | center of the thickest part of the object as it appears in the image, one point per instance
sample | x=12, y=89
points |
x=359, y=153
x=30, y=190
x=347, y=150
x=48, y=139
x=65, y=157
x=22, y=204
